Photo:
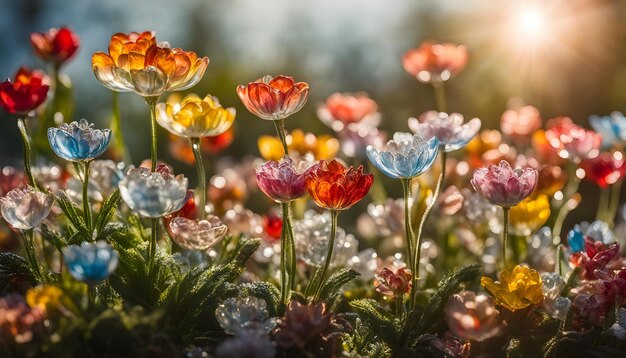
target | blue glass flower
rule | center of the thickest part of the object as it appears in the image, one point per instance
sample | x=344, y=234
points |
x=78, y=141
x=612, y=128
x=90, y=263
x=153, y=194
x=576, y=239
x=405, y=156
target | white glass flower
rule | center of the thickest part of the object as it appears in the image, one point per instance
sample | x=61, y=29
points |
x=197, y=234
x=246, y=314
x=452, y=133
x=26, y=208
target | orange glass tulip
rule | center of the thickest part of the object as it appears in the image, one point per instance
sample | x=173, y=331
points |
x=335, y=187
x=136, y=63
x=274, y=98
x=433, y=63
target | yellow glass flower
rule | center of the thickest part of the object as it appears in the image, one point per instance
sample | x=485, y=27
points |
x=193, y=117
x=44, y=297
x=299, y=143
x=528, y=216
x=518, y=288
x=136, y=63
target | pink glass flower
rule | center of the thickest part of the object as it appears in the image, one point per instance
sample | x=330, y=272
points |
x=281, y=181
x=452, y=133
x=596, y=256
x=473, y=317
x=391, y=283
x=342, y=109
x=503, y=185
x=572, y=141
x=520, y=123
x=193, y=234
x=432, y=63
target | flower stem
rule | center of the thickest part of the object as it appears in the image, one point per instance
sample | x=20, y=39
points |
x=282, y=134
x=91, y=295
x=197, y=153
x=331, y=245
x=31, y=255
x=151, y=101
x=399, y=306
x=408, y=228
x=21, y=124
x=288, y=222
x=505, y=235
x=86, y=206
x=570, y=189
x=603, y=205
x=440, y=96
x=153, y=244
x=616, y=190
x=284, y=290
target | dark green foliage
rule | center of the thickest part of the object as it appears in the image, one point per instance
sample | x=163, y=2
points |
x=379, y=321
x=108, y=210
x=15, y=274
x=265, y=291
x=334, y=283
x=71, y=213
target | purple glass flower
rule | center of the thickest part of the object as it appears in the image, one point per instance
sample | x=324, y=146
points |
x=503, y=185
x=281, y=180
x=452, y=133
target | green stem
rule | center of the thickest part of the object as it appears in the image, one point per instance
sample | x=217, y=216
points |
x=86, y=206
x=408, y=228
x=279, y=125
x=505, y=234
x=116, y=128
x=399, y=306
x=153, y=244
x=571, y=188
x=288, y=222
x=197, y=153
x=151, y=101
x=91, y=295
x=616, y=190
x=21, y=124
x=31, y=255
x=284, y=290
x=440, y=96
x=331, y=245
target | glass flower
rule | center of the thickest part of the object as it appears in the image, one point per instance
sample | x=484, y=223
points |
x=193, y=117
x=572, y=141
x=529, y=215
x=104, y=178
x=312, y=234
x=605, y=169
x=299, y=144
x=26, y=208
x=355, y=140
x=433, y=63
x=11, y=178
x=246, y=314
x=25, y=93
x=241, y=221
x=612, y=128
x=390, y=283
x=272, y=226
x=19, y=324
x=552, y=178
x=312, y=328
x=56, y=45
x=274, y=98
x=517, y=289
x=503, y=185
x=553, y=304
x=136, y=63
x=281, y=181
x=541, y=251
x=335, y=187
x=384, y=220
x=452, y=133
x=78, y=141
x=342, y=109
x=520, y=123
x=596, y=255
x=473, y=317
x=366, y=263
x=405, y=156
x=45, y=298
x=90, y=263
x=194, y=234
x=153, y=194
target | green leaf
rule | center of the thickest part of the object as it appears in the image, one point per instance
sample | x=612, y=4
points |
x=120, y=236
x=14, y=273
x=108, y=210
x=379, y=321
x=71, y=212
x=54, y=237
x=78, y=238
x=432, y=312
x=313, y=282
x=266, y=291
x=337, y=280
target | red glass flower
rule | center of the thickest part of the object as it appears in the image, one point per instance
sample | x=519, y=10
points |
x=335, y=187
x=391, y=283
x=55, y=45
x=596, y=256
x=605, y=169
x=432, y=63
x=572, y=141
x=26, y=93
x=272, y=226
x=274, y=98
